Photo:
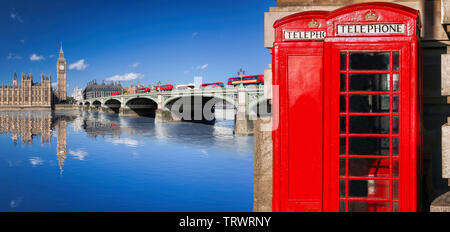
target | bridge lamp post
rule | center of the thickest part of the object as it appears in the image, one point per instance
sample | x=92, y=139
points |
x=240, y=74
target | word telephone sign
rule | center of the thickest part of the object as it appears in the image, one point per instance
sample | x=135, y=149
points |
x=349, y=137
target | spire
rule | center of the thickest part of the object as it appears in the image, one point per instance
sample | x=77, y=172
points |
x=15, y=76
x=61, y=52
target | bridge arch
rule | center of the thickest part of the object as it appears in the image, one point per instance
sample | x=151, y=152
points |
x=140, y=97
x=142, y=106
x=113, y=105
x=97, y=103
x=175, y=98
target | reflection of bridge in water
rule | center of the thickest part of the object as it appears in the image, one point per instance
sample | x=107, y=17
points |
x=25, y=126
x=123, y=130
x=195, y=105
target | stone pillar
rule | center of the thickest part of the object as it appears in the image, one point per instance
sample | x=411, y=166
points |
x=160, y=102
x=242, y=123
x=442, y=203
x=125, y=111
x=262, y=171
x=162, y=116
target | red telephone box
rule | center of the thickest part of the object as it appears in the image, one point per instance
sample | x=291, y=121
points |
x=298, y=71
x=360, y=149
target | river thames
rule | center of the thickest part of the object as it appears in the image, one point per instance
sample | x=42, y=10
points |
x=80, y=161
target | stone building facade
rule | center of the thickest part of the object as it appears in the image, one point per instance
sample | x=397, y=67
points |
x=435, y=16
x=93, y=90
x=30, y=94
x=27, y=93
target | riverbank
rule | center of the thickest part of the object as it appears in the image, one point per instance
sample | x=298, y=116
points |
x=54, y=107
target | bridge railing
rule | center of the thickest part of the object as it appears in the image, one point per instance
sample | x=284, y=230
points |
x=250, y=89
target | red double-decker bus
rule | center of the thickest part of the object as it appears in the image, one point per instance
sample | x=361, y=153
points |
x=167, y=87
x=212, y=85
x=115, y=93
x=246, y=80
x=143, y=90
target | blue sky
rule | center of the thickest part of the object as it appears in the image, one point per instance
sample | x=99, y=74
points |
x=148, y=41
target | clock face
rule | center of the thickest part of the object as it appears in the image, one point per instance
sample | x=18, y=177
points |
x=61, y=67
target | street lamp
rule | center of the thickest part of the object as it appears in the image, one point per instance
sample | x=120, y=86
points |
x=240, y=74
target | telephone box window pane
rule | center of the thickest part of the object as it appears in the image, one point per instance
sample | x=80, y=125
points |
x=342, y=167
x=342, y=146
x=358, y=167
x=368, y=124
x=369, y=103
x=342, y=188
x=395, y=103
x=343, y=104
x=358, y=188
x=369, y=188
x=395, y=61
x=368, y=206
x=395, y=207
x=369, y=82
x=395, y=189
x=368, y=145
x=369, y=61
x=395, y=146
x=343, y=123
x=342, y=206
x=343, y=61
x=395, y=167
x=395, y=80
x=343, y=82
x=395, y=125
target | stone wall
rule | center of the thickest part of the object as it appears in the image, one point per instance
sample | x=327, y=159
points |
x=262, y=198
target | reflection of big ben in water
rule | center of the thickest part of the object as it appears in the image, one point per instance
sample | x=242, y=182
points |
x=61, y=147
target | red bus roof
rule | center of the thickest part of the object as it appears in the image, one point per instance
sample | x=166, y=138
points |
x=259, y=75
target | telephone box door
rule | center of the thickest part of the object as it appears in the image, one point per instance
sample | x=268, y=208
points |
x=372, y=95
x=298, y=170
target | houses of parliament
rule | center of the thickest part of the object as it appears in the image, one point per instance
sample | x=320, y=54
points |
x=30, y=94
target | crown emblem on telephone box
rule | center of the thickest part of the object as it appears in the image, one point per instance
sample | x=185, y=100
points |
x=313, y=24
x=370, y=16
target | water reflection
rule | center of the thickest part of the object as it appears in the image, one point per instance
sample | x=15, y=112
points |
x=109, y=163
x=27, y=125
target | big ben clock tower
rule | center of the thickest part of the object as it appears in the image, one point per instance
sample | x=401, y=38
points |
x=61, y=69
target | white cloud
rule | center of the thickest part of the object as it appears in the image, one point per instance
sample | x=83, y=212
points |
x=35, y=161
x=78, y=154
x=15, y=203
x=194, y=34
x=202, y=67
x=35, y=57
x=129, y=142
x=51, y=56
x=135, y=65
x=79, y=65
x=54, y=85
x=15, y=16
x=22, y=41
x=186, y=72
x=13, y=56
x=126, y=77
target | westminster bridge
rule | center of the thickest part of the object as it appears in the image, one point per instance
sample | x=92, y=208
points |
x=195, y=105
